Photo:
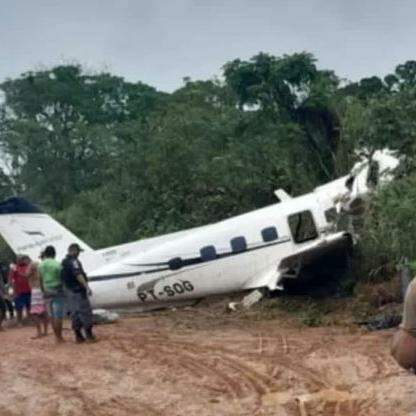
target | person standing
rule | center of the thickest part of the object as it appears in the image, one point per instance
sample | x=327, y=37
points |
x=22, y=292
x=403, y=348
x=38, y=307
x=51, y=283
x=2, y=303
x=77, y=291
x=4, y=272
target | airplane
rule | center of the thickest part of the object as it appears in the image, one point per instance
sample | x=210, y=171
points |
x=255, y=252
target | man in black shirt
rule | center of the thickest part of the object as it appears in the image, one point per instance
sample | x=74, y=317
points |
x=77, y=290
x=4, y=272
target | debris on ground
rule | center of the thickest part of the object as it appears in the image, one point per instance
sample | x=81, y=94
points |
x=382, y=321
x=104, y=316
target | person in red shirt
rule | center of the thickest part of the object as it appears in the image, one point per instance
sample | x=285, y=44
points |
x=19, y=280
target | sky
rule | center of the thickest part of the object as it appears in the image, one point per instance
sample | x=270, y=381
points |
x=160, y=42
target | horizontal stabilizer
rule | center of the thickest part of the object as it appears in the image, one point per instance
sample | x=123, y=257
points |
x=282, y=195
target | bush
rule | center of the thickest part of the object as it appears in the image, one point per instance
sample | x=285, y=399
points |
x=389, y=232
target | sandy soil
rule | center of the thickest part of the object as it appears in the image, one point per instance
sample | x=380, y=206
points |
x=201, y=361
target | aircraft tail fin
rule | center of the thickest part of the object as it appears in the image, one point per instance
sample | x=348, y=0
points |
x=27, y=230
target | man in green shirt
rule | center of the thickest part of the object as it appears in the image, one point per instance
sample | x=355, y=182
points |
x=51, y=283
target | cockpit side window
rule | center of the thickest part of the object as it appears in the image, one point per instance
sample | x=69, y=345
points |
x=331, y=215
x=302, y=226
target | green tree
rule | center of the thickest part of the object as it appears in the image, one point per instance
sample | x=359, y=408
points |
x=62, y=119
x=292, y=89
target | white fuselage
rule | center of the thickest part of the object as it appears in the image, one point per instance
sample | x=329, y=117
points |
x=229, y=256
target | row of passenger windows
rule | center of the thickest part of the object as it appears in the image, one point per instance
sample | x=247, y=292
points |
x=302, y=228
x=238, y=244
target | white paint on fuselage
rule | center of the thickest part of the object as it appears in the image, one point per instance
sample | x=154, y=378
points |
x=237, y=272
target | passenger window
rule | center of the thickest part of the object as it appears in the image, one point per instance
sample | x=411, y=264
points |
x=175, y=263
x=269, y=234
x=238, y=244
x=302, y=226
x=208, y=253
x=331, y=215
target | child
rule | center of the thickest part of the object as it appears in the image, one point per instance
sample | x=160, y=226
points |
x=18, y=278
x=38, y=306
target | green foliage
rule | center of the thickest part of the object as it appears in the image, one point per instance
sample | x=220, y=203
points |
x=301, y=310
x=379, y=121
x=291, y=88
x=116, y=161
x=390, y=227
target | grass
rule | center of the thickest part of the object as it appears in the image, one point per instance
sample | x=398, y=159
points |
x=366, y=301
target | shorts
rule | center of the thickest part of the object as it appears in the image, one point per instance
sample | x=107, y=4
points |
x=38, y=306
x=56, y=306
x=23, y=301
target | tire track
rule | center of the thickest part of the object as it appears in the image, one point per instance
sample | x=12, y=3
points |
x=285, y=362
x=216, y=366
x=44, y=375
x=154, y=368
x=237, y=377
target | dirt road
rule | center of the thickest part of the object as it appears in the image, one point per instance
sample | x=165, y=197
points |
x=202, y=362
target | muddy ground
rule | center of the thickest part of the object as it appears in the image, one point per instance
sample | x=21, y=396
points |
x=202, y=361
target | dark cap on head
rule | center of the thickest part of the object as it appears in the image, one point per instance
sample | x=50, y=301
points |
x=49, y=252
x=75, y=247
